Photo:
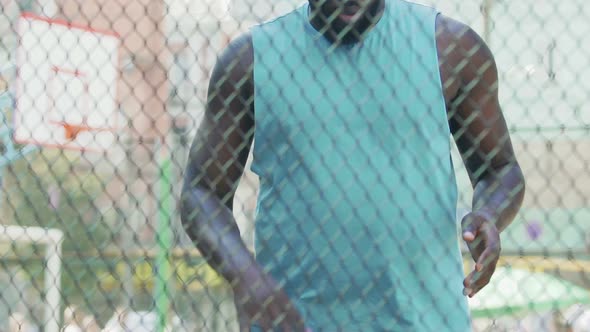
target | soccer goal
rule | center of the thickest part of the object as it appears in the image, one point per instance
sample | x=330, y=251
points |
x=51, y=239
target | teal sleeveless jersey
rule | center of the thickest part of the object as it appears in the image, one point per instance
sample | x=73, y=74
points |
x=356, y=209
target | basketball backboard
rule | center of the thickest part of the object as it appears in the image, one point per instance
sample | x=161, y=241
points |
x=66, y=85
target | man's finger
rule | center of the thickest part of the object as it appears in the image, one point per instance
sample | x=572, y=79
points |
x=478, y=280
x=475, y=285
x=470, y=226
x=491, y=253
x=480, y=283
x=487, y=257
x=476, y=247
x=469, y=236
x=474, y=279
x=469, y=282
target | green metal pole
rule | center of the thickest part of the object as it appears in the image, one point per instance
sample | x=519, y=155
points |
x=164, y=239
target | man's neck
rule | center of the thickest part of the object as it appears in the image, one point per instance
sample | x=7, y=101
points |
x=339, y=33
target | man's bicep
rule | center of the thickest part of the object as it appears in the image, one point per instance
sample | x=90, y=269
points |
x=216, y=158
x=222, y=142
x=477, y=121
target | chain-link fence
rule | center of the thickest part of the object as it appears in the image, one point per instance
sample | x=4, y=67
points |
x=131, y=130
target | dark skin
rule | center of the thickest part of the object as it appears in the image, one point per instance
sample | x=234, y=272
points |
x=220, y=149
x=331, y=19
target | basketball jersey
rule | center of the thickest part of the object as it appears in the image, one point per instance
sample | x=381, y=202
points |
x=356, y=209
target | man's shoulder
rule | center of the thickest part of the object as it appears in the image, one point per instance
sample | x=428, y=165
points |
x=458, y=42
x=280, y=21
x=464, y=56
x=240, y=44
x=452, y=33
x=238, y=55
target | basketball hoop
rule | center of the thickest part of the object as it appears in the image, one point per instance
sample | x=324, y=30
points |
x=71, y=131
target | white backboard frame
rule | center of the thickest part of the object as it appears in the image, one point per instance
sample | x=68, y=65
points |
x=66, y=85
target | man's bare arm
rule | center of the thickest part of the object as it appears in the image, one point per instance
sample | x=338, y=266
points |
x=216, y=163
x=479, y=127
x=482, y=137
x=217, y=160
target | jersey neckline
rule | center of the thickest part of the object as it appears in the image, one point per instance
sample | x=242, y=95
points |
x=319, y=37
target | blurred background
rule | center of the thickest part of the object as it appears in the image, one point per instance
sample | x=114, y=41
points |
x=91, y=238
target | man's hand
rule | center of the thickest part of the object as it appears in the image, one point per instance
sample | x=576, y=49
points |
x=483, y=240
x=261, y=301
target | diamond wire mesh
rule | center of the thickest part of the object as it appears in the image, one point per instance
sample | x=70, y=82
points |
x=342, y=224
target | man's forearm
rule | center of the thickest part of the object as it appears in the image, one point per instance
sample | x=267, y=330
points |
x=500, y=194
x=211, y=226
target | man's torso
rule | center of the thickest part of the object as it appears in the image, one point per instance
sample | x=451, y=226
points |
x=356, y=208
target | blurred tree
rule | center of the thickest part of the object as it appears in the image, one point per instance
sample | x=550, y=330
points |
x=46, y=190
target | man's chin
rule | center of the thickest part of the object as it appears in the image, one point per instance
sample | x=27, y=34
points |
x=350, y=18
x=349, y=38
x=348, y=35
